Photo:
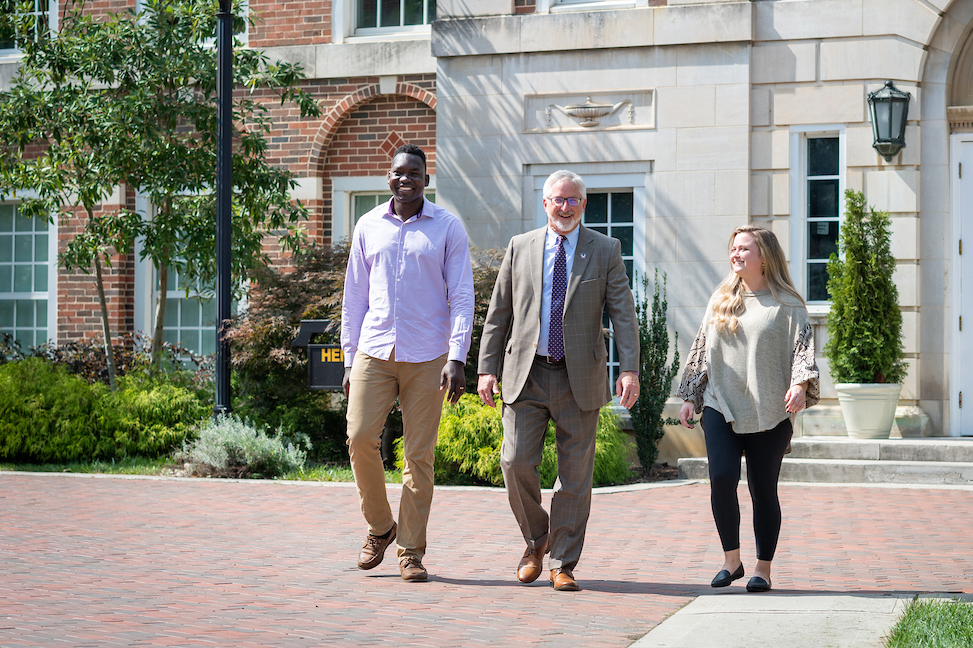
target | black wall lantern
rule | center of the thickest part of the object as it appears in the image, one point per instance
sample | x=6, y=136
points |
x=889, y=110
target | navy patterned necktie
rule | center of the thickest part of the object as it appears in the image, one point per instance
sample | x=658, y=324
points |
x=559, y=286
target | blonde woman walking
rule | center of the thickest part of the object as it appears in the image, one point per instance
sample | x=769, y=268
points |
x=751, y=367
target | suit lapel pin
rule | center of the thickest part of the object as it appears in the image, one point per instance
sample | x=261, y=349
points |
x=584, y=255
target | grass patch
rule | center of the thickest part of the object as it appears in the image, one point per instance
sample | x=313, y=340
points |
x=934, y=623
x=126, y=466
x=166, y=467
x=335, y=473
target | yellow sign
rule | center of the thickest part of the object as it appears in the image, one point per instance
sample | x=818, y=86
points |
x=333, y=354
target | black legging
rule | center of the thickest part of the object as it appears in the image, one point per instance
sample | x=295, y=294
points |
x=765, y=451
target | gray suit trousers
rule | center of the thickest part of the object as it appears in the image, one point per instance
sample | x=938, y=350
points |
x=547, y=396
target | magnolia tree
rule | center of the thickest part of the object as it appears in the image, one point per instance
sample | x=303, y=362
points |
x=131, y=99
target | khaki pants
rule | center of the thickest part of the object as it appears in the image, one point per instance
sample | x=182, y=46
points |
x=375, y=384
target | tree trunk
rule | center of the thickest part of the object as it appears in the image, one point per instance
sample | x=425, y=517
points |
x=105, y=326
x=160, y=319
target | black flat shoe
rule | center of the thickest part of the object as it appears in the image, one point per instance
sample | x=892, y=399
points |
x=758, y=584
x=724, y=578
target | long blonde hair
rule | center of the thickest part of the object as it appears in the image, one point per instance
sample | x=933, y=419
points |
x=728, y=298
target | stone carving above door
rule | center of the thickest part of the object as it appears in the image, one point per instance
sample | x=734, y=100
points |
x=590, y=111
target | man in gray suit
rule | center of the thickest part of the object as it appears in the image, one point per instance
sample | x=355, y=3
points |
x=545, y=327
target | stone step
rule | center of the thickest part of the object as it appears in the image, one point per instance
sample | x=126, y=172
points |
x=956, y=449
x=853, y=471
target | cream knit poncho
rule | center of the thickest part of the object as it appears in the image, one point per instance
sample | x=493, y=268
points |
x=744, y=375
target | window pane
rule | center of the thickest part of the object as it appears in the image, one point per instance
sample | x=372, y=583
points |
x=597, y=209
x=626, y=235
x=630, y=271
x=24, y=247
x=23, y=278
x=6, y=314
x=170, y=335
x=25, y=314
x=822, y=238
x=817, y=282
x=190, y=312
x=208, y=342
x=40, y=278
x=623, y=207
x=413, y=12
x=171, y=318
x=6, y=278
x=23, y=223
x=822, y=198
x=603, y=229
x=209, y=313
x=6, y=249
x=368, y=13
x=189, y=339
x=40, y=247
x=6, y=218
x=822, y=156
x=25, y=337
x=390, y=14
x=430, y=10
x=172, y=280
x=42, y=314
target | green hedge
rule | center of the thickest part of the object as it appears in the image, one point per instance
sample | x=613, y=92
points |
x=470, y=435
x=50, y=416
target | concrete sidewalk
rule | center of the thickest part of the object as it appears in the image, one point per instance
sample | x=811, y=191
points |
x=90, y=561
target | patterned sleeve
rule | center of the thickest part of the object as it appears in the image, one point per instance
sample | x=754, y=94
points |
x=694, y=376
x=803, y=366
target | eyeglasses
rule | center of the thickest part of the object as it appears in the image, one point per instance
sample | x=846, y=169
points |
x=573, y=202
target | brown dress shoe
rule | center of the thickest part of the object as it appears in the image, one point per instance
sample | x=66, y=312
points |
x=563, y=580
x=374, y=550
x=412, y=570
x=531, y=564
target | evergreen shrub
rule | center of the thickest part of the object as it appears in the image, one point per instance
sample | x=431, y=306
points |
x=471, y=433
x=655, y=375
x=865, y=323
x=233, y=447
x=48, y=415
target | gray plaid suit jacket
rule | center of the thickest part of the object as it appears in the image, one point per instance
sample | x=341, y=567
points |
x=598, y=279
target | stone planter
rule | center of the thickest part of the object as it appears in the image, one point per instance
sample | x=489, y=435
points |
x=868, y=408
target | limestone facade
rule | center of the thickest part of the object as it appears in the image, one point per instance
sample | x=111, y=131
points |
x=734, y=91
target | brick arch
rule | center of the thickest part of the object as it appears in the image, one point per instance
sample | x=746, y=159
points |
x=332, y=121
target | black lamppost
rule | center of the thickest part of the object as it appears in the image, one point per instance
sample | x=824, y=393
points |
x=224, y=197
x=889, y=110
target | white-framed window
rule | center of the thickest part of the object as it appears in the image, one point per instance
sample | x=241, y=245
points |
x=28, y=277
x=190, y=317
x=44, y=19
x=376, y=16
x=381, y=19
x=354, y=196
x=617, y=207
x=817, y=207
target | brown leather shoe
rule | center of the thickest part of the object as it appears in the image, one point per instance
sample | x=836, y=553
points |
x=374, y=550
x=412, y=570
x=531, y=564
x=563, y=580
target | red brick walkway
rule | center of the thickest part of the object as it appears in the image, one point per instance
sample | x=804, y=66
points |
x=139, y=562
